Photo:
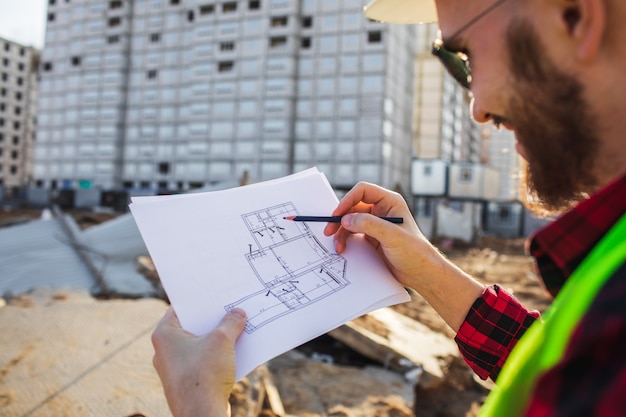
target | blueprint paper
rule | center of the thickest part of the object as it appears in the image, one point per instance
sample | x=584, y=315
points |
x=232, y=248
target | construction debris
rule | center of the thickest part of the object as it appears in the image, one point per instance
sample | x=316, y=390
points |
x=55, y=252
x=274, y=402
x=318, y=389
x=403, y=345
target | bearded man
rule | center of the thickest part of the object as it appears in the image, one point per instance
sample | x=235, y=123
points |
x=550, y=71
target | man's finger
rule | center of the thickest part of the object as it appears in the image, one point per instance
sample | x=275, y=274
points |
x=368, y=224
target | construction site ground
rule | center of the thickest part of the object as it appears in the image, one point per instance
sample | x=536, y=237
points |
x=65, y=353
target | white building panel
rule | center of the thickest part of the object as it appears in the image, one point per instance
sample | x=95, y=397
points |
x=473, y=181
x=429, y=177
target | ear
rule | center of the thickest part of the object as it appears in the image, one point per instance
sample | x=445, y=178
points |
x=586, y=20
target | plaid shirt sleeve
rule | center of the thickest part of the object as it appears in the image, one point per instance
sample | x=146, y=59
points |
x=494, y=324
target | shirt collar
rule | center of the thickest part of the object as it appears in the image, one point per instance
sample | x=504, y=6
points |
x=562, y=245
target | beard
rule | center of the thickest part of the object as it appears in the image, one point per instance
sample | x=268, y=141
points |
x=552, y=123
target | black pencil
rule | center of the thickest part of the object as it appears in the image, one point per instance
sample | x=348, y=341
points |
x=334, y=219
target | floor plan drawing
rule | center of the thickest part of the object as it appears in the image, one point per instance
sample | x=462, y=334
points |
x=292, y=265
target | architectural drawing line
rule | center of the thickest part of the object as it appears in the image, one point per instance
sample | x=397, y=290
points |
x=292, y=266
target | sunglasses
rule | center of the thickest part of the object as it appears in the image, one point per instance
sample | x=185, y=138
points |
x=456, y=62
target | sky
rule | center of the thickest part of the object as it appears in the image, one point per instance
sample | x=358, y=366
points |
x=23, y=21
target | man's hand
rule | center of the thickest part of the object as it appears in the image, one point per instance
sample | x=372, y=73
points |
x=411, y=258
x=403, y=247
x=197, y=372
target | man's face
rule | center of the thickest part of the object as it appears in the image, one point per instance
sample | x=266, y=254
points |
x=552, y=123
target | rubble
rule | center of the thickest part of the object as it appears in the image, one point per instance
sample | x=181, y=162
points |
x=310, y=388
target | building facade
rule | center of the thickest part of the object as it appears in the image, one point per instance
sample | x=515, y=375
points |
x=444, y=128
x=176, y=94
x=506, y=160
x=18, y=110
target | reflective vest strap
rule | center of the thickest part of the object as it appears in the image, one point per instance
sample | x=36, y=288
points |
x=544, y=343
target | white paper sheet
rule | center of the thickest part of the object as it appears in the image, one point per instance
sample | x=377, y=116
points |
x=232, y=248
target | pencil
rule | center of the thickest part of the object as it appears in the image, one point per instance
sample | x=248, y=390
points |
x=334, y=219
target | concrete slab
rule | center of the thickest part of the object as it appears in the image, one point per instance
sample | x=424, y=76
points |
x=62, y=353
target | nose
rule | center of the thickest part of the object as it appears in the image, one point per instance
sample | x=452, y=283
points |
x=478, y=113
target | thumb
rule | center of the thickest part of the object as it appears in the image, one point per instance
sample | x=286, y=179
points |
x=233, y=323
x=169, y=320
x=167, y=328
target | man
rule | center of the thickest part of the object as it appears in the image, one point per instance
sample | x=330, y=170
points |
x=551, y=71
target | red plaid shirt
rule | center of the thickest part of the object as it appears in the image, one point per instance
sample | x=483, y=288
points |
x=591, y=378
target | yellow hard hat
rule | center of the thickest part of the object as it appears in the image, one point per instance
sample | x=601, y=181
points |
x=402, y=11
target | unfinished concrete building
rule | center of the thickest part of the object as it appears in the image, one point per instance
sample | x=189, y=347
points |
x=18, y=110
x=169, y=95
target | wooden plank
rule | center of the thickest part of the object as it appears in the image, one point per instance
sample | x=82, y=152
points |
x=271, y=394
x=398, y=342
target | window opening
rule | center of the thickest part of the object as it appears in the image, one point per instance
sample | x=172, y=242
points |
x=229, y=7
x=374, y=37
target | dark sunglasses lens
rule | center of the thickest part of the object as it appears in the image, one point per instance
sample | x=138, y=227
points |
x=456, y=64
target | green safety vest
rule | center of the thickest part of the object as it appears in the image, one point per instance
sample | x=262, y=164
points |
x=544, y=343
